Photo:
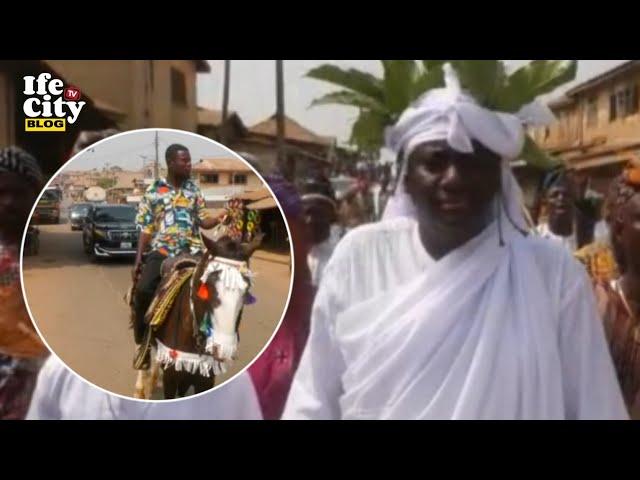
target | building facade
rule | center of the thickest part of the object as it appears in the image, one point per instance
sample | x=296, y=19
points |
x=140, y=93
x=598, y=125
x=122, y=94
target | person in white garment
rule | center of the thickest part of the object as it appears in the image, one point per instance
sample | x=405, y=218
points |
x=448, y=309
x=590, y=225
x=560, y=225
x=62, y=395
x=319, y=214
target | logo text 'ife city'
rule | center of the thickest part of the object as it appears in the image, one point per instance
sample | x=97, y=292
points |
x=46, y=114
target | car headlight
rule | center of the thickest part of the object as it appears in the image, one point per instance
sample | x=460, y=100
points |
x=100, y=233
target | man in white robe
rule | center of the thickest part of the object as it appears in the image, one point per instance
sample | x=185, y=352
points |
x=62, y=395
x=319, y=216
x=561, y=222
x=495, y=325
x=320, y=253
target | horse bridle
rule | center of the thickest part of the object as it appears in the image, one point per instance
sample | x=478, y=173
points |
x=241, y=266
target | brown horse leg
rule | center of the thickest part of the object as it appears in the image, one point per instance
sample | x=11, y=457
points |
x=170, y=382
x=202, y=384
x=183, y=384
x=140, y=384
x=155, y=373
x=186, y=380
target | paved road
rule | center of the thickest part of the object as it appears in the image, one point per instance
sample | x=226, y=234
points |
x=79, y=308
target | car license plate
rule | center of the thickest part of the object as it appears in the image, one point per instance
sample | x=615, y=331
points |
x=126, y=245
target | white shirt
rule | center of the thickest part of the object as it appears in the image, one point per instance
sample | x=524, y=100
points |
x=376, y=193
x=508, y=333
x=62, y=395
x=568, y=242
x=320, y=254
x=601, y=232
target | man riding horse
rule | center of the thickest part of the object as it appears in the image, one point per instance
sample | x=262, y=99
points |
x=170, y=215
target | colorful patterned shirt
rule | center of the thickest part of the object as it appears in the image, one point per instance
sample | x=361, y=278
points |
x=17, y=375
x=623, y=334
x=599, y=261
x=9, y=266
x=172, y=217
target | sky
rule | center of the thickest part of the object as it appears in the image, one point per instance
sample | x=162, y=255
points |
x=130, y=150
x=252, y=90
x=252, y=96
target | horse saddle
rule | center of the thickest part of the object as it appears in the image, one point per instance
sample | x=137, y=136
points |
x=174, y=273
x=179, y=262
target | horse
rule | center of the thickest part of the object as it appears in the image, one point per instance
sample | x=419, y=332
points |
x=185, y=351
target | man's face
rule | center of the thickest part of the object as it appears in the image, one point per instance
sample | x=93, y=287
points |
x=180, y=165
x=317, y=217
x=16, y=201
x=450, y=188
x=560, y=203
x=629, y=233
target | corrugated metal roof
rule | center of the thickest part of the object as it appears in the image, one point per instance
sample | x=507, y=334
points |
x=263, y=204
x=599, y=162
x=255, y=194
x=221, y=165
x=292, y=131
x=604, y=77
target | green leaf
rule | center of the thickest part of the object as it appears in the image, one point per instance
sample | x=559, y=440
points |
x=351, y=99
x=368, y=131
x=433, y=64
x=483, y=79
x=352, y=79
x=431, y=79
x=399, y=76
x=535, y=79
x=536, y=157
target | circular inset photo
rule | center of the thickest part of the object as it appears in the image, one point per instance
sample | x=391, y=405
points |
x=157, y=264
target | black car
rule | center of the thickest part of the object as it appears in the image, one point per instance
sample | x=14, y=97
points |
x=77, y=214
x=110, y=231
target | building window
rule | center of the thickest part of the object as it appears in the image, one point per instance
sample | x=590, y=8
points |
x=178, y=87
x=239, y=179
x=592, y=112
x=210, y=178
x=623, y=102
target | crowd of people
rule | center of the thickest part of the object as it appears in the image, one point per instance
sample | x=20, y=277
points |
x=608, y=245
x=432, y=297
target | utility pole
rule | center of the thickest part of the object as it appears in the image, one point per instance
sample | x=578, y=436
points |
x=155, y=164
x=282, y=159
x=225, y=100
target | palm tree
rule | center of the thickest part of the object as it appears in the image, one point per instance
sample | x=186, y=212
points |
x=380, y=101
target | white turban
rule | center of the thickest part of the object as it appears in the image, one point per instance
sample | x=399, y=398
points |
x=451, y=114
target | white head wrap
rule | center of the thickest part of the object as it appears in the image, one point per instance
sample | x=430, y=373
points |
x=451, y=114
